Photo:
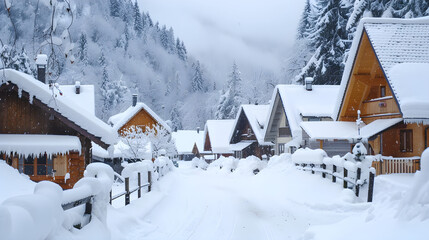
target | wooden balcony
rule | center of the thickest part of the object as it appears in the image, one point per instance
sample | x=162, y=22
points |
x=379, y=107
x=388, y=165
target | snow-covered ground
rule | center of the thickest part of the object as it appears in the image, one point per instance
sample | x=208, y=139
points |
x=280, y=202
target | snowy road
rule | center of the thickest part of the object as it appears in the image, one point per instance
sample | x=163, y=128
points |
x=215, y=205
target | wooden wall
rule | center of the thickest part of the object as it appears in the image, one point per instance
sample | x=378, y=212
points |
x=142, y=119
x=19, y=116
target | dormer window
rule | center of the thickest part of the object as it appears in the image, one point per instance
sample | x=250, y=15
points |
x=249, y=131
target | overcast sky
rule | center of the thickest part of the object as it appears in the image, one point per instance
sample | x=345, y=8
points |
x=257, y=34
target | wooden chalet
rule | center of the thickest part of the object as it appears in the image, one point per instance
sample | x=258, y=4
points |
x=387, y=79
x=247, y=137
x=188, y=143
x=293, y=104
x=138, y=115
x=46, y=130
x=216, y=139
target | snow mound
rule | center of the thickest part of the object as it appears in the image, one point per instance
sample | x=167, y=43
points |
x=279, y=159
x=250, y=166
x=224, y=164
x=309, y=156
x=21, y=182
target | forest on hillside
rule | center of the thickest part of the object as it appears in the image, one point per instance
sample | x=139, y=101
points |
x=326, y=31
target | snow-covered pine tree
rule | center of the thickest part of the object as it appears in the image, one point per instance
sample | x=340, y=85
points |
x=176, y=121
x=83, y=49
x=181, y=50
x=104, y=88
x=10, y=58
x=197, y=81
x=115, y=8
x=231, y=97
x=138, y=21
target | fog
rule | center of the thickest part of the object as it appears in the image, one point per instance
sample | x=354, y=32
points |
x=256, y=34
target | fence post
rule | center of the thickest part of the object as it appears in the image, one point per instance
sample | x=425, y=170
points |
x=110, y=197
x=334, y=170
x=139, y=192
x=358, y=173
x=345, y=176
x=371, y=185
x=127, y=191
x=149, y=180
x=324, y=168
x=312, y=168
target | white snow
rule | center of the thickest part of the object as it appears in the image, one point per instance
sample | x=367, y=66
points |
x=34, y=144
x=219, y=132
x=185, y=140
x=309, y=156
x=120, y=119
x=62, y=104
x=85, y=100
x=41, y=59
x=21, y=183
x=331, y=130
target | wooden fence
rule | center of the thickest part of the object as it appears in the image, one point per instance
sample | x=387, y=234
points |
x=387, y=165
x=127, y=192
x=352, y=182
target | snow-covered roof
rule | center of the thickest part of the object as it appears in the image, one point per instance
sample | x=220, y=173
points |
x=298, y=103
x=120, y=119
x=330, y=130
x=219, y=132
x=256, y=115
x=402, y=49
x=185, y=140
x=63, y=104
x=240, y=145
x=34, y=144
x=84, y=100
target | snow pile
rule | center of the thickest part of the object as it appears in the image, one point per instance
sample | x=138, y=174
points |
x=279, y=159
x=416, y=201
x=21, y=182
x=224, y=164
x=40, y=213
x=308, y=156
x=131, y=171
x=163, y=164
x=199, y=163
x=35, y=144
x=250, y=166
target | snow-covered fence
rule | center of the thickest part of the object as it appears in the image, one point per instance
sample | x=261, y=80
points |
x=387, y=165
x=354, y=174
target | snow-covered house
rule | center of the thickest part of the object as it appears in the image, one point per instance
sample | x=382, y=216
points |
x=247, y=137
x=386, y=78
x=293, y=104
x=139, y=115
x=216, y=138
x=189, y=143
x=46, y=129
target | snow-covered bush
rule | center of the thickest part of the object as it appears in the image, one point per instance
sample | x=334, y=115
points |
x=194, y=162
x=279, y=159
x=199, y=163
x=250, y=165
x=224, y=164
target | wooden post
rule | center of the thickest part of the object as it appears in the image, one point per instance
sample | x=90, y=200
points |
x=334, y=170
x=127, y=191
x=370, y=186
x=139, y=192
x=344, y=180
x=149, y=180
x=110, y=197
x=358, y=173
x=312, y=168
x=324, y=168
x=88, y=207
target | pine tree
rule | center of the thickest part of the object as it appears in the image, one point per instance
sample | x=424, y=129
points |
x=115, y=8
x=197, y=82
x=175, y=118
x=10, y=58
x=83, y=49
x=231, y=98
x=138, y=21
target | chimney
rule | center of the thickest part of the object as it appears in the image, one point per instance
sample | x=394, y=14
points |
x=41, y=62
x=77, y=87
x=134, y=100
x=198, y=130
x=308, y=83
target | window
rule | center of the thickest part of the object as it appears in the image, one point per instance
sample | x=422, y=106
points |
x=284, y=132
x=406, y=140
x=31, y=166
x=281, y=148
x=382, y=91
x=249, y=131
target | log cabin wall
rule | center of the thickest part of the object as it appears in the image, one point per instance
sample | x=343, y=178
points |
x=207, y=143
x=141, y=119
x=19, y=116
